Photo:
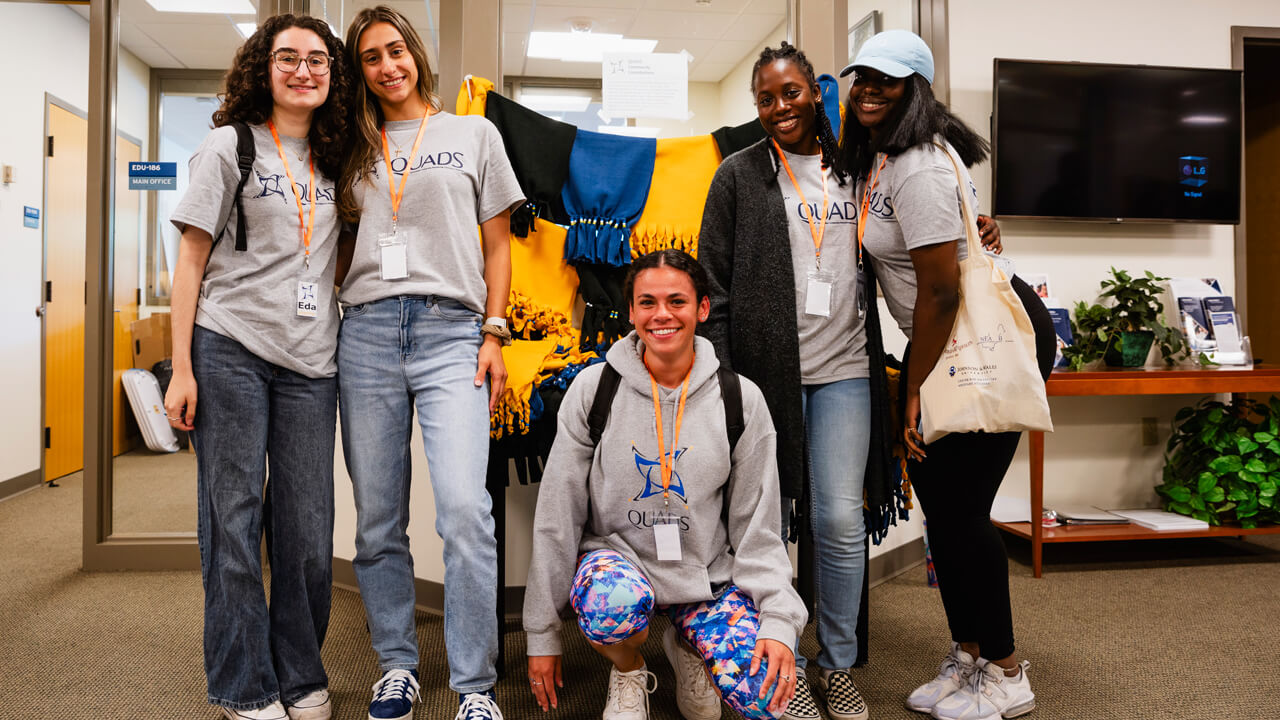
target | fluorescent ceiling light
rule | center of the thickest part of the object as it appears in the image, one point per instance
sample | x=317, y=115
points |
x=583, y=47
x=246, y=29
x=220, y=7
x=555, y=103
x=1205, y=120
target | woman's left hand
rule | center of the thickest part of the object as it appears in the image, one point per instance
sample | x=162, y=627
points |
x=989, y=234
x=491, y=364
x=911, y=420
x=781, y=669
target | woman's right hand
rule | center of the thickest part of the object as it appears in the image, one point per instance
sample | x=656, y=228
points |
x=180, y=401
x=544, y=678
x=911, y=420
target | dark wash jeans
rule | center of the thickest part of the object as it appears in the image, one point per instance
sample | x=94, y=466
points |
x=264, y=439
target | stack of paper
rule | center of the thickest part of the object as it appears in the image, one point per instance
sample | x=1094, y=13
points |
x=1161, y=520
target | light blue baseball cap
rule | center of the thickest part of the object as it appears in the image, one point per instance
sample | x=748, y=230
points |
x=896, y=53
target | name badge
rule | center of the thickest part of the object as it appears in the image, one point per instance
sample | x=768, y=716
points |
x=817, y=296
x=667, y=537
x=393, y=257
x=308, y=299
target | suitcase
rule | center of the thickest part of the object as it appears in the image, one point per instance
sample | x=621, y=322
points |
x=148, y=408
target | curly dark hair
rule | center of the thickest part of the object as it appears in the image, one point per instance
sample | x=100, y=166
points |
x=918, y=118
x=826, y=138
x=247, y=93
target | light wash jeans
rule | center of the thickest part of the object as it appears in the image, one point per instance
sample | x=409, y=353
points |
x=837, y=421
x=255, y=423
x=394, y=356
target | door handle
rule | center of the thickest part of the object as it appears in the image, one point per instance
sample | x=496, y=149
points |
x=39, y=311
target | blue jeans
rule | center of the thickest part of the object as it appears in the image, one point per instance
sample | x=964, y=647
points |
x=259, y=423
x=837, y=421
x=394, y=356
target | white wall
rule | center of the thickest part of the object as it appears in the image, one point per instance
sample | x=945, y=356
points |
x=45, y=49
x=1095, y=456
x=736, y=104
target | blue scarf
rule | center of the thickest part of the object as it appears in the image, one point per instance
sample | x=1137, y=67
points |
x=608, y=184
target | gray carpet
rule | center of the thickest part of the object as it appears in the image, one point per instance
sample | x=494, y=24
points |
x=1171, y=629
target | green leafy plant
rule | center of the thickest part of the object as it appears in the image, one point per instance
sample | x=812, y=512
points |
x=1222, y=464
x=1132, y=304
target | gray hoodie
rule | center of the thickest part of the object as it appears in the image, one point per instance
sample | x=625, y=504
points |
x=607, y=497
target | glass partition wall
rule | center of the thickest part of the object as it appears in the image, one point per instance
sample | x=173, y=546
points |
x=139, y=507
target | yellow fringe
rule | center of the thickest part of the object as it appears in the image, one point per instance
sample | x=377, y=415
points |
x=664, y=238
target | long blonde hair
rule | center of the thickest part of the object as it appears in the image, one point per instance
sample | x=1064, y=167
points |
x=368, y=116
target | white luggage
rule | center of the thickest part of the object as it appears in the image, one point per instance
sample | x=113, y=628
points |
x=148, y=408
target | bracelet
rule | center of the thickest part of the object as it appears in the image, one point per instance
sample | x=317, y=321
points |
x=498, y=331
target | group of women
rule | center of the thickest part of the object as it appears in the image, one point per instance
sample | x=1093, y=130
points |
x=639, y=512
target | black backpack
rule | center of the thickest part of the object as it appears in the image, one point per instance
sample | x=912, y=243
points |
x=730, y=391
x=245, y=154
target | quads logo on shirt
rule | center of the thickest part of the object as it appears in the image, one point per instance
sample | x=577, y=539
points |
x=651, y=472
x=841, y=213
x=275, y=184
x=438, y=161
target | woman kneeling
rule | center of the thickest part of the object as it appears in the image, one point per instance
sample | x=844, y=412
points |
x=665, y=512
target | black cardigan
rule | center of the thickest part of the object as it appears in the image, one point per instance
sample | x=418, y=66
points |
x=746, y=250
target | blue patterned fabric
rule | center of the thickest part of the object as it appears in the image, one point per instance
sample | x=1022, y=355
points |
x=608, y=184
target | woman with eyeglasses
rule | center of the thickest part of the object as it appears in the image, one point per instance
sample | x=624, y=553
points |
x=255, y=326
x=424, y=321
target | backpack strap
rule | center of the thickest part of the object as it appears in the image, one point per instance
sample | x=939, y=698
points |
x=731, y=393
x=245, y=153
x=603, y=402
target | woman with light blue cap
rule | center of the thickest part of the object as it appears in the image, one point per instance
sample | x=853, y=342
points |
x=910, y=154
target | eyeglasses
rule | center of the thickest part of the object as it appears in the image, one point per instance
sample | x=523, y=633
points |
x=287, y=61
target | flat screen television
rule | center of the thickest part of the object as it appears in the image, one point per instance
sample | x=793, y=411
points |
x=1087, y=141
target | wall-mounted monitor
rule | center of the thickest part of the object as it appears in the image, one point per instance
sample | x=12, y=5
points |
x=1087, y=141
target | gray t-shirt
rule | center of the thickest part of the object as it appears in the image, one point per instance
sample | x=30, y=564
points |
x=831, y=348
x=916, y=203
x=252, y=297
x=460, y=178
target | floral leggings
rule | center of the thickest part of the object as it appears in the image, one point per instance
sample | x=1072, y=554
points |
x=614, y=601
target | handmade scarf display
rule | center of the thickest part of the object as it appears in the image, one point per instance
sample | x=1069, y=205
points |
x=609, y=178
x=732, y=139
x=539, y=149
x=682, y=173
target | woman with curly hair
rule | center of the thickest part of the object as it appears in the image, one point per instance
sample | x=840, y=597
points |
x=423, y=323
x=254, y=362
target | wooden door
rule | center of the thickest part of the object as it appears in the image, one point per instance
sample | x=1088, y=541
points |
x=124, y=429
x=1262, y=187
x=66, y=167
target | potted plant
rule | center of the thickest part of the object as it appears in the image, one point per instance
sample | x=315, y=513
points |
x=1222, y=463
x=1122, y=331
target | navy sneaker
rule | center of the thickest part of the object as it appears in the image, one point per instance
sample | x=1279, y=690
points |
x=478, y=706
x=394, y=695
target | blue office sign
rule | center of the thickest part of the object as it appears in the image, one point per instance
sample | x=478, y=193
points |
x=30, y=216
x=153, y=176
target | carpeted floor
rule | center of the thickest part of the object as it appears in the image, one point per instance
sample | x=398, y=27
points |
x=1171, y=629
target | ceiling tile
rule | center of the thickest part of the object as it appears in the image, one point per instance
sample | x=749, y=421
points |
x=716, y=6
x=730, y=51
x=710, y=72
x=668, y=23
x=615, y=20
x=754, y=28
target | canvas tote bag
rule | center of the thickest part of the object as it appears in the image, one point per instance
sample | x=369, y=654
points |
x=987, y=377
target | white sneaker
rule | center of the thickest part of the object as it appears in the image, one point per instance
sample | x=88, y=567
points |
x=696, y=697
x=989, y=695
x=629, y=694
x=274, y=711
x=953, y=673
x=312, y=706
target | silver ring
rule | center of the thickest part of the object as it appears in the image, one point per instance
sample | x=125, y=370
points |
x=534, y=682
x=786, y=678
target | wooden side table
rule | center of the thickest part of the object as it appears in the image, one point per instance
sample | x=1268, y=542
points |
x=1146, y=381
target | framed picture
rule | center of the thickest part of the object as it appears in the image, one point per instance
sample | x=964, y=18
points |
x=861, y=31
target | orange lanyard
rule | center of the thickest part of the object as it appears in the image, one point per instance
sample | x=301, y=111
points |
x=307, y=227
x=398, y=195
x=816, y=232
x=866, y=206
x=666, y=462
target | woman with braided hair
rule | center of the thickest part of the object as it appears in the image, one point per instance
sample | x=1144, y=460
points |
x=784, y=210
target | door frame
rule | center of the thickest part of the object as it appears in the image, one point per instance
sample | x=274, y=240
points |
x=1239, y=35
